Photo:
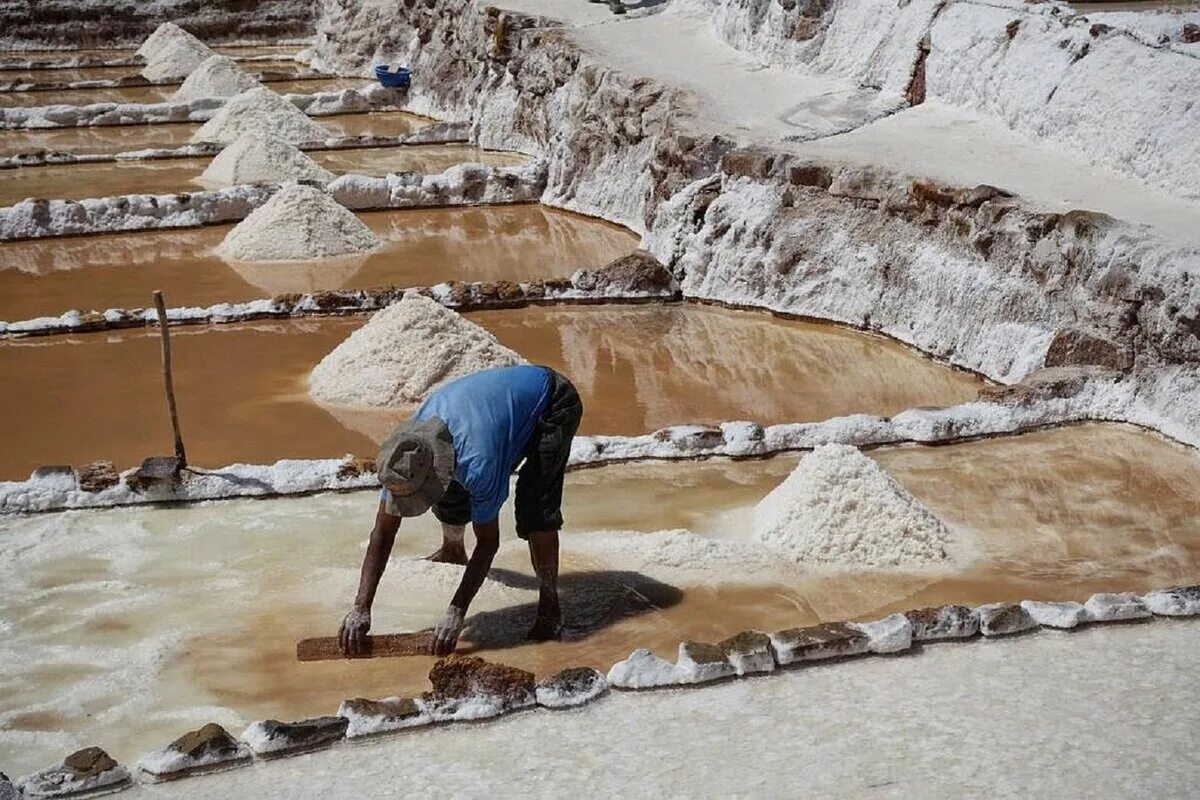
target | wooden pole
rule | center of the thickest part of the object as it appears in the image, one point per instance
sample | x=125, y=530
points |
x=165, y=335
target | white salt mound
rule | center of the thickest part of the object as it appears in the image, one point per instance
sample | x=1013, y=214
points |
x=217, y=76
x=171, y=52
x=839, y=507
x=404, y=352
x=298, y=222
x=257, y=159
x=260, y=112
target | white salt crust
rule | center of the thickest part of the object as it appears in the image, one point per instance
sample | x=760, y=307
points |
x=403, y=353
x=892, y=634
x=1056, y=615
x=298, y=222
x=840, y=507
x=260, y=112
x=217, y=76
x=371, y=725
x=166, y=761
x=171, y=52
x=258, y=159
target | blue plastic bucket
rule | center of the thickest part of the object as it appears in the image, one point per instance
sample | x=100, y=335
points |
x=400, y=79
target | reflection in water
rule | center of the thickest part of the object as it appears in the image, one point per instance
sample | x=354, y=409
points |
x=243, y=397
x=157, y=598
x=424, y=247
x=124, y=138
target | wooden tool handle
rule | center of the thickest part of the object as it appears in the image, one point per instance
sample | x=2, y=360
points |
x=325, y=648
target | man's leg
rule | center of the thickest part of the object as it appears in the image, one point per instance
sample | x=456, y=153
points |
x=543, y=554
x=454, y=512
x=453, y=549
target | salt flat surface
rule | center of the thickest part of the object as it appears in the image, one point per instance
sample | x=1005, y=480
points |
x=1106, y=712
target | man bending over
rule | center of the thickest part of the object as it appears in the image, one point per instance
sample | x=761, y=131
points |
x=455, y=456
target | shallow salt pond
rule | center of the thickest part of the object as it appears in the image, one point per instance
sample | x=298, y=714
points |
x=127, y=627
x=126, y=138
x=243, y=395
x=423, y=247
x=174, y=175
x=269, y=69
x=158, y=93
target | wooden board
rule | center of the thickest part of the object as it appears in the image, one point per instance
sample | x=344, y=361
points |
x=325, y=648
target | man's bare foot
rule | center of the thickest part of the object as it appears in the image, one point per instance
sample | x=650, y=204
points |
x=545, y=630
x=448, y=554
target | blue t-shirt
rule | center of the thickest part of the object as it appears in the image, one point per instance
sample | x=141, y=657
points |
x=491, y=415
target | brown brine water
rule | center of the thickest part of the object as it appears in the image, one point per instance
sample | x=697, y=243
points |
x=157, y=94
x=178, y=617
x=174, y=175
x=126, y=138
x=422, y=247
x=243, y=388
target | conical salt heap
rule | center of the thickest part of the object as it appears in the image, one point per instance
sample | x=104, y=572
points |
x=404, y=352
x=838, y=506
x=298, y=222
x=171, y=52
x=256, y=159
x=260, y=112
x=217, y=76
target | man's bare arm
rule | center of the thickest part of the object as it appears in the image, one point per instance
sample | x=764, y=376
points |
x=487, y=542
x=353, y=634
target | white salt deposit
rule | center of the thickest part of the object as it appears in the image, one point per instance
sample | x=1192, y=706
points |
x=839, y=507
x=298, y=222
x=261, y=159
x=169, y=760
x=404, y=352
x=260, y=112
x=892, y=634
x=171, y=52
x=217, y=76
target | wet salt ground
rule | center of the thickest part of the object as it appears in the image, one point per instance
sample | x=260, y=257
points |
x=424, y=247
x=160, y=93
x=126, y=138
x=1105, y=712
x=243, y=396
x=126, y=628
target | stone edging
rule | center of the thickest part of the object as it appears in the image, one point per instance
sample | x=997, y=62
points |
x=369, y=97
x=462, y=184
x=437, y=133
x=457, y=681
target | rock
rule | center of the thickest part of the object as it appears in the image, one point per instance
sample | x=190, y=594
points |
x=643, y=670
x=691, y=437
x=97, y=476
x=573, y=686
x=353, y=467
x=1180, y=601
x=1075, y=348
x=1044, y=384
x=943, y=622
x=207, y=749
x=87, y=771
x=891, y=634
x=467, y=687
x=274, y=739
x=749, y=652
x=828, y=640
x=1055, y=615
x=1190, y=33
x=7, y=790
x=638, y=273
x=1000, y=619
x=700, y=662
x=371, y=717
x=1105, y=607
x=61, y=477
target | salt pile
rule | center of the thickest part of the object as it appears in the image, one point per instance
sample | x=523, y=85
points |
x=839, y=507
x=260, y=112
x=259, y=159
x=298, y=222
x=218, y=76
x=171, y=52
x=404, y=352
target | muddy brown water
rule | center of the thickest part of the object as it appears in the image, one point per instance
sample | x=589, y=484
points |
x=243, y=393
x=158, y=94
x=125, y=138
x=423, y=247
x=76, y=74
x=173, y=175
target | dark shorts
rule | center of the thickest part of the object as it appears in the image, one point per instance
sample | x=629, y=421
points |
x=543, y=465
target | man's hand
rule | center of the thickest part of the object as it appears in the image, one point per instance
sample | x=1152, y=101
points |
x=352, y=636
x=445, y=635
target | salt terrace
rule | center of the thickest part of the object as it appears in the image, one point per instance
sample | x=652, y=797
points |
x=885, y=317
